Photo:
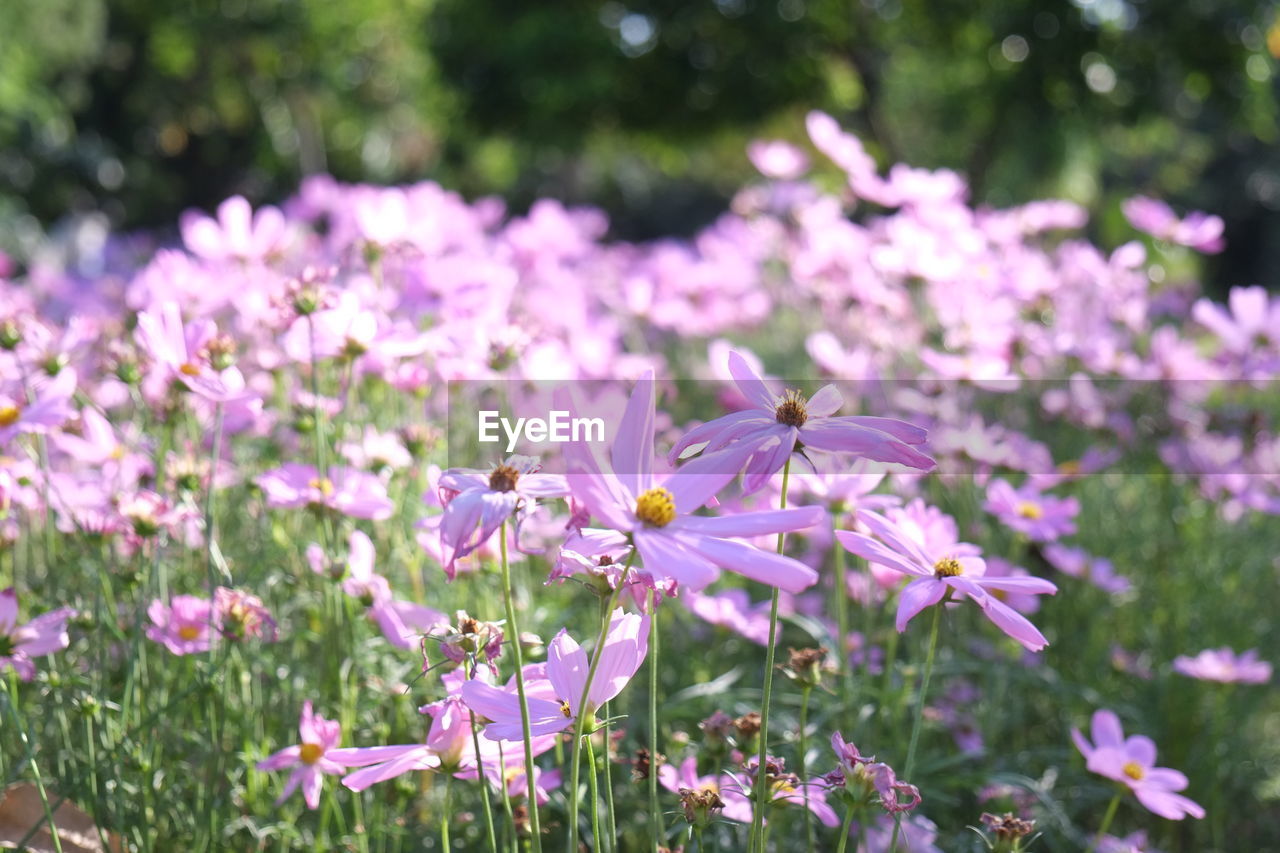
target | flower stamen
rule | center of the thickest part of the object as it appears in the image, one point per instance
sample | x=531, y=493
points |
x=310, y=753
x=791, y=410
x=504, y=479
x=948, y=567
x=656, y=507
x=1133, y=770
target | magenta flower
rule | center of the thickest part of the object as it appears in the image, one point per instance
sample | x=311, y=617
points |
x=778, y=425
x=1131, y=762
x=312, y=759
x=237, y=234
x=1225, y=666
x=1249, y=322
x=940, y=569
x=566, y=670
x=1039, y=517
x=1077, y=562
x=51, y=408
x=401, y=622
x=1201, y=231
x=43, y=635
x=344, y=490
x=601, y=557
x=183, y=625
x=691, y=549
x=862, y=778
x=241, y=615
x=477, y=502
x=181, y=353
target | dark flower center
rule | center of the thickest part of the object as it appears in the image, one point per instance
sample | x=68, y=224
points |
x=503, y=479
x=791, y=411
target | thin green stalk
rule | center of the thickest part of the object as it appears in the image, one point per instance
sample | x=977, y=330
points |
x=11, y=704
x=655, y=814
x=593, y=781
x=444, y=815
x=612, y=826
x=920, y=699
x=508, y=596
x=1106, y=821
x=842, y=625
x=804, y=724
x=844, y=830
x=758, y=817
x=580, y=724
x=484, y=786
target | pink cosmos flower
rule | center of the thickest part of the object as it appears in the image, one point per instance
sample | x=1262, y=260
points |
x=785, y=787
x=777, y=159
x=180, y=352
x=1134, y=842
x=940, y=569
x=1040, y=517
x=566, y=670
x=691, y=549
x=733, y=609
x=1076, y=562
x=778, y=425
x=238, y=233
x=344, y=490
x=737, y=804
x=181, y=626
x=1250, y=321
x=311, y=760
x=1131, y=762
x=1225, y=666
x=1198, y=230
x=401, y=622
x=241, y=615
x=51, y=407
x=477, y=502
x=43, y=635
x=601, y=556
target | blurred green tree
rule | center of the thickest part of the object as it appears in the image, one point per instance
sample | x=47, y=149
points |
x=144, y=107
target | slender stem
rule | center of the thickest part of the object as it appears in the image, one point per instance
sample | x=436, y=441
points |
x=1106, y=821
x=444, y=815
x=594, y=781
x=804, y=724
x=484, y=786
x=655, y=815
x=580, y=724
x=610, y=812
x=919, y=716
x=842, y=625
x=11, y=703
x=844, y=830
x=758, y=818
x=924, y=690
x=508, y=595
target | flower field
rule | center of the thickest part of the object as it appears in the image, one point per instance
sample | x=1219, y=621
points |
x=908, y=525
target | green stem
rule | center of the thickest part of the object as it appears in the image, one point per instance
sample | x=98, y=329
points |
x=655, y=815
x=484, y=786
x=1106, y=821
x=11, y=703
x=804, y=724
x=508, y=595
x=919, y=716
x=594, y=782
x=842, y=625
x=844, y=830
x=580, y=724
x=758, y=818
x=444, y=816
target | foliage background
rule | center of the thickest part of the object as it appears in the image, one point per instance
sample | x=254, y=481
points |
x=142, y=108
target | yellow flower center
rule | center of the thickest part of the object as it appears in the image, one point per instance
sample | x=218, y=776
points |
x=1133, y=770
x=188, y=632
x=791, y=411
x=1027, y=509
x=323, y=485
x=656, y=507
x=948, y=567
x=8, y=415
x=311, y=753
x=189, y=369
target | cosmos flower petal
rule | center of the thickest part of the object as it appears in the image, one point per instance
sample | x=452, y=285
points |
x=825, y=403
x=664, y=554
x=1167, y=804
x=567, y=666
x=632, y=452
x=765, y=567
x=751, y=385
x=1106, y=730
x=916, y=596
x=705, y=432
x=752, y=523
x=876, y=552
